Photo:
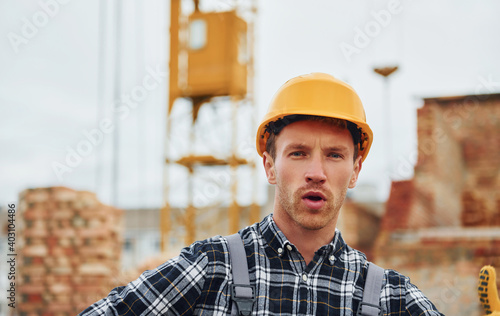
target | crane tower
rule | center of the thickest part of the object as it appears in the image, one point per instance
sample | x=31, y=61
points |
x=211, y=66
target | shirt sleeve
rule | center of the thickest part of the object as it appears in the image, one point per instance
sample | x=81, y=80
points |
x=417, y=303
x=401, y=297
x=171, y=289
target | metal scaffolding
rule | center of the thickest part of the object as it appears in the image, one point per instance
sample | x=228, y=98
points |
x=211, y=63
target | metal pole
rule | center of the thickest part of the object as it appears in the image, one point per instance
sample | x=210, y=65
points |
x=117, y=92
x=254, y=207
x=388, y=125
x=165, y=213
x=141, y=119
x=386, y=72
x=100, y=90
x=234, y=208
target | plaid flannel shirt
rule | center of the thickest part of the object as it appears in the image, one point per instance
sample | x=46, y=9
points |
x=197, y=282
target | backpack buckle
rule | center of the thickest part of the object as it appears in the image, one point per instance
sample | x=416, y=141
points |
x=369, y=309
x=243, y=296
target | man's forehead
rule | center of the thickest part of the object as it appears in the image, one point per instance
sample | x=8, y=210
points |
x=301, y=132
x=313, y=127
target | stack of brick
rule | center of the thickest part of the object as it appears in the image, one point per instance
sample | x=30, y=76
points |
x=69, y=250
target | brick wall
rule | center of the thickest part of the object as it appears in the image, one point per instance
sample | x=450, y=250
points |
x=457, y=176
x=443, y=225
x=443, y=262
x=359, y=224
x=398, y=205
x=69, y=250
x=459, y=162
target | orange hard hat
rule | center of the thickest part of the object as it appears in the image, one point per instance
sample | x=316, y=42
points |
x=317, y=94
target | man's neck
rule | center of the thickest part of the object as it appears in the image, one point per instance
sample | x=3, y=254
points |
x=307, y=241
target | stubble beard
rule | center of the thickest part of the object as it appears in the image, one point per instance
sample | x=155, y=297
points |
x=291, y=203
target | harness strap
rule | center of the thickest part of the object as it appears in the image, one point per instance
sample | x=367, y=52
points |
x=370, y=306
x=242, y=293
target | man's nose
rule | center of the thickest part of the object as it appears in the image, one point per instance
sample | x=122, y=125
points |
x=316, y=171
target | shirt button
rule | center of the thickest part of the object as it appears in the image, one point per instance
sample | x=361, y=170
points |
x=304, y=277
x=331, y=258
x=289, y=247
x=280, y=251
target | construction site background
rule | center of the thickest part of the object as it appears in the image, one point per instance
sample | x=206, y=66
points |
x=431, y=211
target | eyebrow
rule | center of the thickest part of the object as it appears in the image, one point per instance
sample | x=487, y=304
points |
x=295, y=146
x=337, y=148
x=302, y=146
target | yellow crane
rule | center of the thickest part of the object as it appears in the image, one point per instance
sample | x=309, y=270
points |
x=219, y=50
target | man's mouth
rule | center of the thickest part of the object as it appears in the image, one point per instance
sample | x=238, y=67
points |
x=314, y=200
x=314, y=196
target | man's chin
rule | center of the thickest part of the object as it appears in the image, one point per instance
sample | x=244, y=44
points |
x=313, y=227
x=312, y=224
x=314, y=220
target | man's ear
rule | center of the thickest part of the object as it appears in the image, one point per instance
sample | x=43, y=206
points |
x=355, y=172
x=269, y=167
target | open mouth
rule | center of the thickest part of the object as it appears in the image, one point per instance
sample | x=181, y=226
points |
x=314, y=196
x=314, y=200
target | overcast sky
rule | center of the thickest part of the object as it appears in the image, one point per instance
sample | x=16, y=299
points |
x=51, y=99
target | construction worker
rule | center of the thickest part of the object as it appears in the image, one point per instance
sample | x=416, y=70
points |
x=313, y=141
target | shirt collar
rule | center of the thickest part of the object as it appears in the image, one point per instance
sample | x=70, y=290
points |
x=277, y=240
x=272, y=234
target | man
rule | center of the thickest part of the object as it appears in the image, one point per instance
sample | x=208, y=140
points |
x=313, y=141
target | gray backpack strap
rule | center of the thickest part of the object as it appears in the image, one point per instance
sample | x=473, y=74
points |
x=370, y=305
x=242, y=293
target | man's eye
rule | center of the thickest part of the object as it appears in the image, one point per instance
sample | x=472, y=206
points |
x=297, y=154
x=335, y=155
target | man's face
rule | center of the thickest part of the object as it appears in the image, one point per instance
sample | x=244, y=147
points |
x=312, y=170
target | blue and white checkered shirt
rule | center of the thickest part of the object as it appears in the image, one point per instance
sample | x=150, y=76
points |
x=197, y=282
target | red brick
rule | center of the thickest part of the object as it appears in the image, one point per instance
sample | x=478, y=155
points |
x=51, y=259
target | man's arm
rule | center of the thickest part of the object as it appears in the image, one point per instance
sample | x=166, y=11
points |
x=417, y=303
x=401, y=297
x=173, y=287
